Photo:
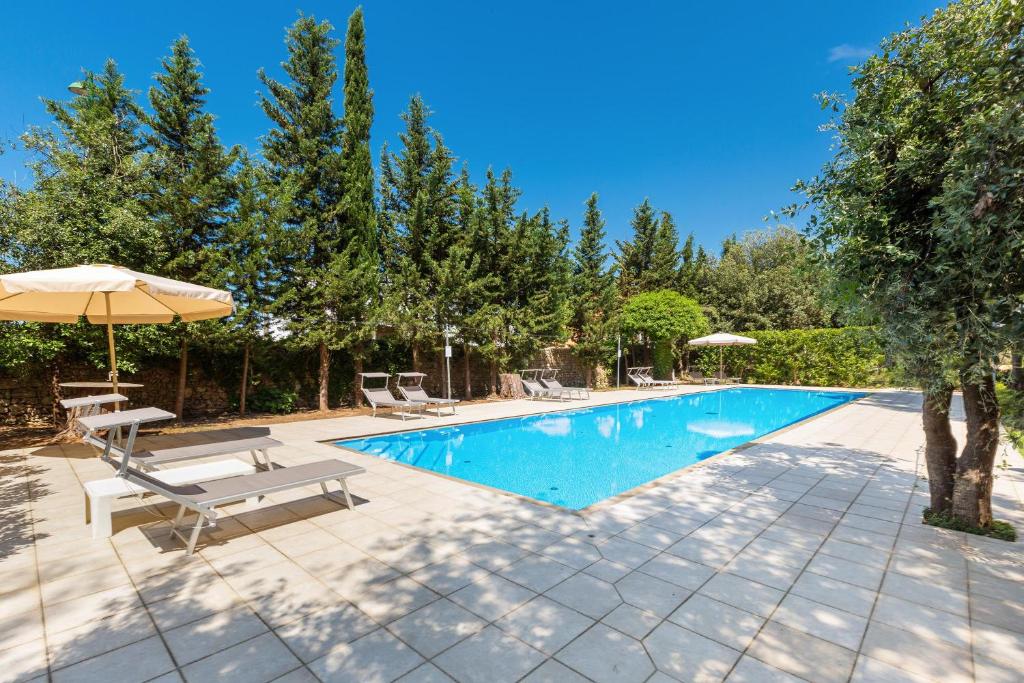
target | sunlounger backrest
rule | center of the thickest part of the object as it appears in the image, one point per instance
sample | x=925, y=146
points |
x=380, y=396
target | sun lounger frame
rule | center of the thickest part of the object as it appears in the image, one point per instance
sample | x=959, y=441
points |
x=188, y=497
x=552, y=383
x=377, y=398
x=417, y=394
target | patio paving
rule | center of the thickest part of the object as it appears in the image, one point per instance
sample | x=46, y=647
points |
x=801, y=557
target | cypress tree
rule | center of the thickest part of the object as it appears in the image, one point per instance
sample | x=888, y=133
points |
x=191, y=180
x=593, y=289
x=304, y=148
x=636, y=256
x=358, y=219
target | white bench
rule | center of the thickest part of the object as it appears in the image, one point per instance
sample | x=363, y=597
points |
x=99, y=494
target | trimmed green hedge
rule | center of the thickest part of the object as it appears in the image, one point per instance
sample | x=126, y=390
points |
x=840, y=357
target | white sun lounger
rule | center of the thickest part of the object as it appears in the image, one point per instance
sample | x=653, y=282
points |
x=553, y=384
x=642, y=382
x=417, y=394
x=382, y=397
x=535, y=390
x=204, y=497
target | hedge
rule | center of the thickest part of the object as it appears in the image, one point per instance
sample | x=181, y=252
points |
x=837, y=357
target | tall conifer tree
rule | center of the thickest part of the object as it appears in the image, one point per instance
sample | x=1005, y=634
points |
x=192, y=187
x=304, y=148
x=593, y=289
x=664, y=272
x=358, y=274
x=636, y=256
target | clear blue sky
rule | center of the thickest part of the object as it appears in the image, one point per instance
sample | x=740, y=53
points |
x=706, y=108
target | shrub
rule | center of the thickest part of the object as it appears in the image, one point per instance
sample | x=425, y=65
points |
x=272, y=400
x=841, y=357
x=663, y=317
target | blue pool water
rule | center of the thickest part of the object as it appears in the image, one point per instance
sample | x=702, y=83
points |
x=576, y=458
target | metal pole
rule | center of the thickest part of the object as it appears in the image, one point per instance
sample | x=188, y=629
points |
x=618, y=359
x=448, y=363
x=110, y=346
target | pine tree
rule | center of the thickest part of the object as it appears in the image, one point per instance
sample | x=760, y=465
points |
x=358, y=212
x=91, y=176
x=250, y=258
x=593, y=289
x=418, y=207
x=191, y=180
x=688, y=269
x=304, y=148
x=664, y=270
x=636, y=256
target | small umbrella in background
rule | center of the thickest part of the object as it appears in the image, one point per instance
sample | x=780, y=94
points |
x=107, y=295
x=721, y=340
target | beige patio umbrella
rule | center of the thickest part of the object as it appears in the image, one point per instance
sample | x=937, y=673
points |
x=106, y=295
x=721, y=340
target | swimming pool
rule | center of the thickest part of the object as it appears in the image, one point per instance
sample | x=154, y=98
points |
x=576, y=458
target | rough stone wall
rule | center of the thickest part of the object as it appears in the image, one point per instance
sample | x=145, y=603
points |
x=29, y=399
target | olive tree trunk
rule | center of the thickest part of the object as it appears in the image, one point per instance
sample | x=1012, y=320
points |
x=940, y=447
x=972, y=486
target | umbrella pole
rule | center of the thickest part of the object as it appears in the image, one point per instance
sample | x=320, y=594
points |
x=110, y=346
x=721, y=364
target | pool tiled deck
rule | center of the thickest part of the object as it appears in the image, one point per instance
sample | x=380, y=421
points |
x=800, y=557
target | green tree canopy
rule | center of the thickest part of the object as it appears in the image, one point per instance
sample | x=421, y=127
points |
x=663, y=317
x=922, y=213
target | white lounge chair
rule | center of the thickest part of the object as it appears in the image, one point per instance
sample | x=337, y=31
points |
x=553, y=384
x=645, y=373
x=641, y=381
x=417, y=394
x=535, y=390
x=204, y=497
x=381, y=397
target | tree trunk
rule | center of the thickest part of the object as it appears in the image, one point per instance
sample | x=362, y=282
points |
x=55, y=407
x=244, y=389
x=179, y=399
x=494, y=377
x=466, y=373
x=972, y=489
x=324, y=377
x=415, y=357
x=588, y=375
x=940, y=447
x=1016, y=371
x=357, y=364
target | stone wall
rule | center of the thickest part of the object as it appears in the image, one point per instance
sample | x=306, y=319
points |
x=30, y=399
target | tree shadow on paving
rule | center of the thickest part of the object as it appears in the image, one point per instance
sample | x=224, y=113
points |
x=20, y=482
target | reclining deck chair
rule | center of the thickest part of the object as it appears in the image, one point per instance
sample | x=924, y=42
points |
x=646, y=374
x=417, y=394
x=534, y=389
x=204, y=497
x=381, y=397
x=635, y=376
x=553, y=384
